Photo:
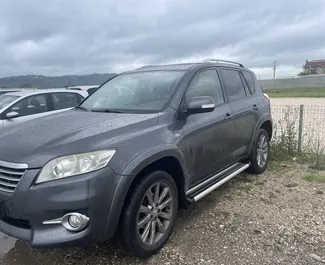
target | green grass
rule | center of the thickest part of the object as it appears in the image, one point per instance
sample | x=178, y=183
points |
x=259, y=182
x=314, y=177
x=246, y=188
x=308, y=92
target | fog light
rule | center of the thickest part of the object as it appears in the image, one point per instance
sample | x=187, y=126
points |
x=74, y=221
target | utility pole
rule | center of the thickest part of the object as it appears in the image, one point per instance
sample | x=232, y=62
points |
x=274, y=68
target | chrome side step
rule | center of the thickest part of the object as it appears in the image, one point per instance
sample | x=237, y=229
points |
x=206, y=182
x=204, y=188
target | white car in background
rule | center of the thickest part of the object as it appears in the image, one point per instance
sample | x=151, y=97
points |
x=18, y=107
x=89, y=89
x=8, y=90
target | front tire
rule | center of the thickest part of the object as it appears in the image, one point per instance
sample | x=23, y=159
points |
x=260, y=155
x=149, y=215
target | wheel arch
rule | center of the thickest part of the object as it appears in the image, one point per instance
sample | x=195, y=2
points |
x=265, y=122
x=168, y=158
x=267, y=125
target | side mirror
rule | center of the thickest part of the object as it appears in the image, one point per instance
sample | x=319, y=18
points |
x=12, y=114
x=200, y=105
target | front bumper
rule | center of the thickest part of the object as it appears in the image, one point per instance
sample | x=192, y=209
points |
x=23, y=212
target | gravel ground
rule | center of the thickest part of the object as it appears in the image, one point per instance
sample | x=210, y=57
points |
x=275, y=218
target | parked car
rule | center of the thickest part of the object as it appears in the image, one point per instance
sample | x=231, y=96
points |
x=91, y=90
x=144, y=144
x=83, y=88
x=8, y=90
x=19, y=107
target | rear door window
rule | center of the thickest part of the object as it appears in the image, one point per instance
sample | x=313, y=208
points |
x=249, y=80
x=233, y=84
x=65, y=100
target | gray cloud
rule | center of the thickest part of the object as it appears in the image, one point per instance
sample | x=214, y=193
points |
x=86, y=36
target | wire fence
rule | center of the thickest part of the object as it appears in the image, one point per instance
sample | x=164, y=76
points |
x=302, y=125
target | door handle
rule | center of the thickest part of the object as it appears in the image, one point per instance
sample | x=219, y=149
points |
x=228, y=116
x=255, y=107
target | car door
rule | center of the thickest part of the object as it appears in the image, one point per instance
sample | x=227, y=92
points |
x=207, y=135
x=244, y=114
x=28, y=108
x=63, y=101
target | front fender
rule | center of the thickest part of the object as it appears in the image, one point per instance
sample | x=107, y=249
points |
x=152, y=155
x=129, y=174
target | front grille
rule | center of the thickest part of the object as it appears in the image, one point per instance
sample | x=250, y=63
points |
x=10, y=175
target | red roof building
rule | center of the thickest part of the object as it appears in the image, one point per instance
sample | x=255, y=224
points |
x=315, y=67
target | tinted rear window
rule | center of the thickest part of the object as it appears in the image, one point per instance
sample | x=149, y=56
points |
x=65, y=100
x=249, y=80
x=233, y=84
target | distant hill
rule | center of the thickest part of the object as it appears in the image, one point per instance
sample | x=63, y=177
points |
x=53, y=81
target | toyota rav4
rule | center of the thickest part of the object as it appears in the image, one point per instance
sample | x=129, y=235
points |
x=122, y=163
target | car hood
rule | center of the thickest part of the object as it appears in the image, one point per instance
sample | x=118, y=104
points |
x=38, y=141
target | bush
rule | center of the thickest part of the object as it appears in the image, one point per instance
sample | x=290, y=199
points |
x=284, y=145
x=285, y=140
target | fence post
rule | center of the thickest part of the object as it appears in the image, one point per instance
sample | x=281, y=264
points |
x=301, y=117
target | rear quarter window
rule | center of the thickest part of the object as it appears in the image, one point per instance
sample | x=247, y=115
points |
x=65, y=100
x=249, y=78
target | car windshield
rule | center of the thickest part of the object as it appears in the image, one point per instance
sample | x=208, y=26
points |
x=135, y=92
x=5, y=100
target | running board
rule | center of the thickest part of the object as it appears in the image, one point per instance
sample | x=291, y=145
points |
x=202, y=189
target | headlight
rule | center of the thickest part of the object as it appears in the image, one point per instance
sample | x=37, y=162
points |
x=67, y=166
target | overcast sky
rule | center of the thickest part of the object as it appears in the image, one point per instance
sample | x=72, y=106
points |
x=56, y=37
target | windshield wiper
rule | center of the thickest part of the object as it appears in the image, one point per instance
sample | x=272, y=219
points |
x=82, y=108
x=107, y=111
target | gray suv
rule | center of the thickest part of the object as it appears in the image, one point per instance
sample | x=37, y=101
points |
x=122, y=163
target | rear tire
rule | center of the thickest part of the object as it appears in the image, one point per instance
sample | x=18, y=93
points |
x=260, y=155
x=149, y=215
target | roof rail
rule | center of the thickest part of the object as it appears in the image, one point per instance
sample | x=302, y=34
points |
x=223, y=61
x=147, y=66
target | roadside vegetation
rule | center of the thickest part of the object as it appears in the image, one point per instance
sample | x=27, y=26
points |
x=308, y=92
x=284, y=145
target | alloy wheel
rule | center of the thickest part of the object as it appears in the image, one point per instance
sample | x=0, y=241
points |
x=262, y=151
x=155, y=213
